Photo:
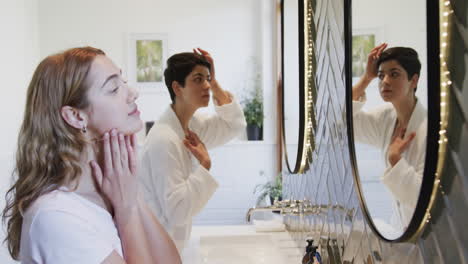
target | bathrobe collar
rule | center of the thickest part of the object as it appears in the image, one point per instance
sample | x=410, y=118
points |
x=418, y=116
x=170, y=119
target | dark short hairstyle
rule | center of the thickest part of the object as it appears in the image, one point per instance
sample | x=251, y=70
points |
x=406, y=57
x=179, y=66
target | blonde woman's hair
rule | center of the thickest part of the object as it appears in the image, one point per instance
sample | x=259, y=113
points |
x=48, y=148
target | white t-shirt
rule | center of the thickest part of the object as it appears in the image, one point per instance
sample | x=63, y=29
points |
x=64, y=227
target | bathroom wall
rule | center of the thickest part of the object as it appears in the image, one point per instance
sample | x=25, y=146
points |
x=342, y=231
x=19, y=53
x=232, y=31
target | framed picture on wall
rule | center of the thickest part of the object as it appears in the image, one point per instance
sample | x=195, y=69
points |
x=147, y=55
x=364, y=40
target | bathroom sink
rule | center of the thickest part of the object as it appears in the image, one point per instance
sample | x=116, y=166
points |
x=246, y=249
x=236, y=240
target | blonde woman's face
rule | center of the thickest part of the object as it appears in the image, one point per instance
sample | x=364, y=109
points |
x=112, y=101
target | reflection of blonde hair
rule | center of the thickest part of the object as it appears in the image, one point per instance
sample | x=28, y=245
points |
x=48, y=148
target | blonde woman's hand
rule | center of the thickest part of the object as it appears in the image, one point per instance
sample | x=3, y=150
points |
x=198, y=149
x=116, y=177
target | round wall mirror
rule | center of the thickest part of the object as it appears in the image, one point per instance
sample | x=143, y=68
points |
x=392, y=80
x=292, y=36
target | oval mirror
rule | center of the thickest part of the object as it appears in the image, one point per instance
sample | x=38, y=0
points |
x=390, y=78
x=292, y=69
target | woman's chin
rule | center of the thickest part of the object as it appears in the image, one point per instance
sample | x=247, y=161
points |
x=206, y=101
x=203, y=105
x=131, y=129
x=387, y=99
x=137, y=128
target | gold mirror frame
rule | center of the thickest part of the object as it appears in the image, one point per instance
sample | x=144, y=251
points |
x=438, y=25
x=307, y=88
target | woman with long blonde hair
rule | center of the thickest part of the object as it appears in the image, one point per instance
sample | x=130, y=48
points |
x=75, y=197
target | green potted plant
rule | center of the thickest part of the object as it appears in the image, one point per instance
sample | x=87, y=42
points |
x=273, y=189
x=253, y=112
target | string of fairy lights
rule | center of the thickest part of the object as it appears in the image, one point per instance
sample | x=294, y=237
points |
x=445, y=83
x=309, y=85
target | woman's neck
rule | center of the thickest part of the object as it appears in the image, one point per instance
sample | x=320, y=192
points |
x=86, y=186
x=404, y=110
x=184, y=113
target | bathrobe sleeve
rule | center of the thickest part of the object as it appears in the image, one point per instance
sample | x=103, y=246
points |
x=370, y=127
x=404, y=182
x=180, y=196
x=226, y=124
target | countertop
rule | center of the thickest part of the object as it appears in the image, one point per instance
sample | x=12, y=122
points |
x=245, y=239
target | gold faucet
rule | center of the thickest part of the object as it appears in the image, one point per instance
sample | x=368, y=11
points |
x=300, y=207
x=286, y=207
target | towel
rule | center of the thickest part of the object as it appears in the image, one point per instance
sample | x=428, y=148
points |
x=275, y=225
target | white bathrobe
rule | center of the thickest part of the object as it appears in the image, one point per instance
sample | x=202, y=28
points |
x=403, y=180
x=174, y=183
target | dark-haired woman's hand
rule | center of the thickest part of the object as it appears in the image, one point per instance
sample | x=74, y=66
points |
x=371, y=67
x=221, y=96
x=208, y=57
x=116, y=177
x=359, y=89
x=399, y=145
x=198, y=149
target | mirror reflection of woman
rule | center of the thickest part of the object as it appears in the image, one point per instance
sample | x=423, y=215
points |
x=75, y=197
x=398, y=129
